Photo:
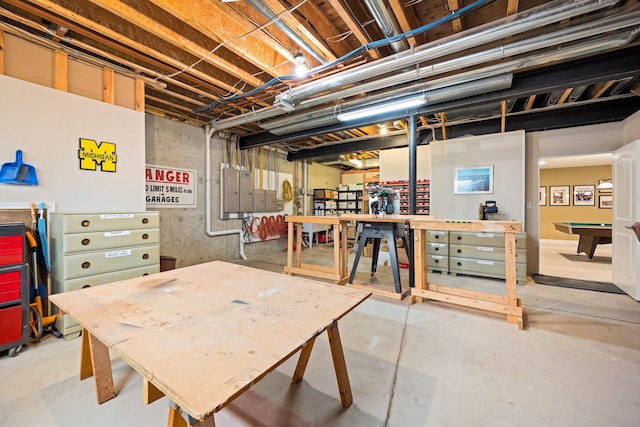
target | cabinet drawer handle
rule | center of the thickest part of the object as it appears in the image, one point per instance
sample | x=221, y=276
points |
x=437, y=261
x=437, y=249
x=86, y=264
x=145, y=236
x=459, y=251
x=459, y=237
x=85, y=223
x=459, y=264
x=86, y=286
x=85, y=242
x=145, y=256
x=145, y=274
x=437, y=236
x=145, y=220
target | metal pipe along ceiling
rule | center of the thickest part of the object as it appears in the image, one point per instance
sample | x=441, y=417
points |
x=462, y=90
x=537, y=17
x=268, y=13
x=470, y=83
x=386, y=23
x=534, y=18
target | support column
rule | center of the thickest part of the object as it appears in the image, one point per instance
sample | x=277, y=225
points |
x=412, y=132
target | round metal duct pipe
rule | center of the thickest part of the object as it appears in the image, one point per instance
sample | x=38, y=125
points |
x=537, y=17
x=523, y=21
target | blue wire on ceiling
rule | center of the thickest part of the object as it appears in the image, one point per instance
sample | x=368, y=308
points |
x=371, y=45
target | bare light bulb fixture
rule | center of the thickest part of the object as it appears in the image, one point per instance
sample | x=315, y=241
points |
x=301, y=68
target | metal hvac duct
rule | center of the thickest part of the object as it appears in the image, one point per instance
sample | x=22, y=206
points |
x=326, y=116
x=540, y=16
x=518, y=23
x=387, y=23
x=435, y=95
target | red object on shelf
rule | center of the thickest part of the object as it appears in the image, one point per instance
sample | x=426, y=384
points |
x=324, y=237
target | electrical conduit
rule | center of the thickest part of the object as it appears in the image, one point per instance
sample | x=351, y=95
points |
x=207, y=188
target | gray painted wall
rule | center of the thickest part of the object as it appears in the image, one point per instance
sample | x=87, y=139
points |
x=183, y=230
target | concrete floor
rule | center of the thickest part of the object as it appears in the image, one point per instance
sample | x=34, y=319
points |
x=577, y=363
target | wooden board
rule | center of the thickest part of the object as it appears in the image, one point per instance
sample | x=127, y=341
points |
x=204, y=334
x=376, y=218
x=421, y=223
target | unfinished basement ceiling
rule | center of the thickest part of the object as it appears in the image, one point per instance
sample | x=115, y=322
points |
x=478, y=66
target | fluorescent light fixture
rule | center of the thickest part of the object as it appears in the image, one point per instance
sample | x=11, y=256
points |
x=387, y=107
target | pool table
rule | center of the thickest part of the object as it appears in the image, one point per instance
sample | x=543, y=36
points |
x=591, y=234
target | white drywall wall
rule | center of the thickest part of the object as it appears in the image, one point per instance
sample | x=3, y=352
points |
x=47, y=124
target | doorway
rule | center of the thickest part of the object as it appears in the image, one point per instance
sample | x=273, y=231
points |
x=579, y=177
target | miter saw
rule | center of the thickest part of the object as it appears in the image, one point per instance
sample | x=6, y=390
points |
x=383, y=200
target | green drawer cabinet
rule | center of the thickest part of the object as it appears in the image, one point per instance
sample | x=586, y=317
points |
x=94, y=249
x=437, y=257
x=482, y=254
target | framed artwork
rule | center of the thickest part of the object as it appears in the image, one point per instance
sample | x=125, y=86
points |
x=604, y=185
x=542, y=196
x=474, y=180
x=559, y=195
x=584, y=195
x=605, y=202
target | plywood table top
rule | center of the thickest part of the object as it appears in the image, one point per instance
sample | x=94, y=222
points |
x=205, y=333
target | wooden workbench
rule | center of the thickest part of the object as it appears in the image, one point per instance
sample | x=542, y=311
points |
x=508, y=304
x=339, y=272
x=204, y=334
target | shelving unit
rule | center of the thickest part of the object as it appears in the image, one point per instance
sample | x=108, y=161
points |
x=350, y=199
x=423, y=195
x=325, y=202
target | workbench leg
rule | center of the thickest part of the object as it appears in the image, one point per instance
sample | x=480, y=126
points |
x=177, y=419
x=150, y=393
x=86, y=369
x=290, y=232
x=101, y=363
x=305, y=352
x=340, y=365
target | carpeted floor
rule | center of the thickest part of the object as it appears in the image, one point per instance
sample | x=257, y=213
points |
x=586, y=285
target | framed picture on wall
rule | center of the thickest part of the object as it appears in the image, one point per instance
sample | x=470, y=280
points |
x=542, y=196
x=474, y=180
x=559, y=195
x=584, y=195
x=604, y=186
x=605, y=202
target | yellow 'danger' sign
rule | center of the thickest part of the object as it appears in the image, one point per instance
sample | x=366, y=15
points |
x=92, y=154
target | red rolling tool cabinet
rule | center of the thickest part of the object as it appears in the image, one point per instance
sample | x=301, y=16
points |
x=14, y=288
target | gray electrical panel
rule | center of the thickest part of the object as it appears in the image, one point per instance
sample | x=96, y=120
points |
x=246, y=192
x=259, y=200
x=270, y=200
x=230, y=188
x=279, y=205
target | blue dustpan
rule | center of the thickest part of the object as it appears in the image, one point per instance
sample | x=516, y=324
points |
x=18, y=172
